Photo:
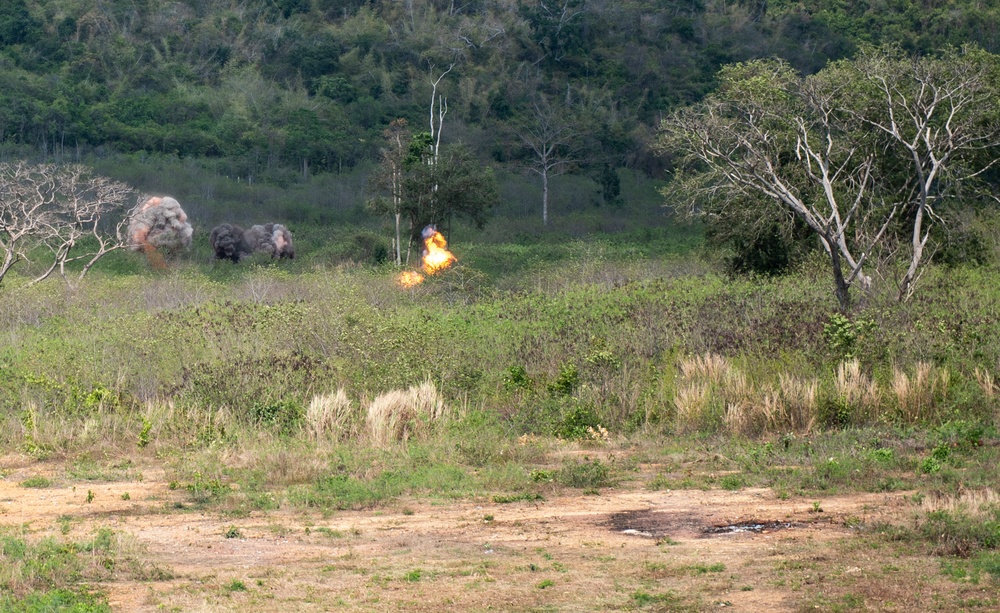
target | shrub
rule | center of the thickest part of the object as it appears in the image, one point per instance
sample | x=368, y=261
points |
x=577, y=423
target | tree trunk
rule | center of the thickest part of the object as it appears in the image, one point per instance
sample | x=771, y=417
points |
x=545, y=196
x=399, y=244
x=841, y=288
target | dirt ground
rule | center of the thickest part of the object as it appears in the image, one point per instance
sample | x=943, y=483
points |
x=626, y=548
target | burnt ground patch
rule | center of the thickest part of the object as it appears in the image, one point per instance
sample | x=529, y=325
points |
x=647, y=523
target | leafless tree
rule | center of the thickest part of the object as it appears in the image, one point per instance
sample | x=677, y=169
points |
x=52, y=209
x=552, y=139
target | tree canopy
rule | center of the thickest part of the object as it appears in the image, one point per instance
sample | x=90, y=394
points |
x=866, y=153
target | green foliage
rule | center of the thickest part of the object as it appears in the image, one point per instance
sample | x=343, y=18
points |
x=843, y=335
x=516, y=377
x=37, y=481
x=961, y=534
x=585, y=473
x=566, y=381
x=576, y=423
x=284, y=415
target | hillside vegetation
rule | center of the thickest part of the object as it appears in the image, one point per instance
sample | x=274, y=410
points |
x=621, y=344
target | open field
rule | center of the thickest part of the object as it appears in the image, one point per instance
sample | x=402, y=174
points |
x=577, y=426
x=626, y=548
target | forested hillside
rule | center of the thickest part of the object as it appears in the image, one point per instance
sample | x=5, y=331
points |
x=279, y=90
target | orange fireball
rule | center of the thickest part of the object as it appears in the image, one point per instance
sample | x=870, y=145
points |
x=409, y=278
x=436, y=254
x=436, y=258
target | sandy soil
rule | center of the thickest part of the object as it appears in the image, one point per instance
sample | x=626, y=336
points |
x=627, y=548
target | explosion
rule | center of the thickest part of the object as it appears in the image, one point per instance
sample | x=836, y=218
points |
x=409, y=278
x=436, y=258
x=231, y=242
x=436, y=254
x=160, y=224
x=272, y=238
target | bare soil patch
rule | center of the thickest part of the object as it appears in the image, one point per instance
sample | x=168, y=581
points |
x=626, y=548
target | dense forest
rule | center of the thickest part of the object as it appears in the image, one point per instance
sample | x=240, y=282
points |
x=279, y=90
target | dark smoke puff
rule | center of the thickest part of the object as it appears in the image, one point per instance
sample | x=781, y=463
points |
x=160, y=223
x=273, y=239
x=228, y=242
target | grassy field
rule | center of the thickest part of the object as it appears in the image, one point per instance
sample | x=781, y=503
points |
x=539, y=367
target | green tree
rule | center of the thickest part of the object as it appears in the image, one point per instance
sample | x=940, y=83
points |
x=455, y=186
x=852, y=151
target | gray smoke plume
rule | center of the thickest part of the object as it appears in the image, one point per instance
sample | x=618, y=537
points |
x=160, y=224
x=229, y=243
x=272, y=238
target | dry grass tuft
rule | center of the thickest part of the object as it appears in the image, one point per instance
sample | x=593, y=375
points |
x=857, y=391
x=692, y=403
x=974, y=503
x=986, y=382
x=331, y=415
x=710, y=367
x=799, y=404
x=916, y=395
x=398, y=414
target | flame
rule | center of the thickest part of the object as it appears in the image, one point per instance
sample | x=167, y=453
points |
x=435, y=259
x=436, y=254
x=409, y=278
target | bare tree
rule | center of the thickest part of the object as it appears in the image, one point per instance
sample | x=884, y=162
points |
x=52, y=209
x=552, y=139
x=389, y=178
x=808, y=145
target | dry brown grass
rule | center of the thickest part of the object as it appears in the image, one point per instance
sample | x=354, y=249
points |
x=974, y=503
x=331, y=415
x=857, y=391
x=986, y=382
x=399, y=414
x=799, y=403
x=917, y=395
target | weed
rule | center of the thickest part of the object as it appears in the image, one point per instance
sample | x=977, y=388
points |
x=731, y=483
x=37, y=481
x=523, y=497
x=566, y=381
x=577, y=423
x=545, y=583
x=585, y=474
x=232, y=532
x=236, y=586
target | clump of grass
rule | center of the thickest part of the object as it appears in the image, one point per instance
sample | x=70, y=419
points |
x=49, y=565
x=331, y=416
x=799, y=403
x=37, y=481
x=700, y=400
x=986, y=382
x=917, y=395
x=962, y=524
x=398, y=414
x=856, y=394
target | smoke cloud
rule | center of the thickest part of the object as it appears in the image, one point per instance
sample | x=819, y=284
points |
x=229, y=242
x=272, y=238
x=160, y=224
